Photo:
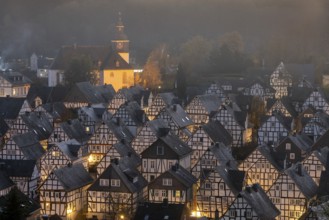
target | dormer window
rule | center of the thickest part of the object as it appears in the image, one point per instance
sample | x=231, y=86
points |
x=115, y=182
x=160, y=150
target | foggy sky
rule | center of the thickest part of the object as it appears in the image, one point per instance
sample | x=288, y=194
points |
x=43, y=26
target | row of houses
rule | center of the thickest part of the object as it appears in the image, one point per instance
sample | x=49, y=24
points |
x=90, y=151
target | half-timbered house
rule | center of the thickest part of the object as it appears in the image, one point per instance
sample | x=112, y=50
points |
x=119, y=151
x=317, y=100
x=149, y=134
x=216, y=155
x=316, y=162
x=282, y=105
x=57, y=156
x=159, y=102
x=132, y=115
x=233, y=122
x=315, y=126
x=73, y=129
x=64, y=193
x=24, y=173
x=262, y=166
x=218, y=189
x=257, y=88
x=14, y=84
x=166, y=151
x=10, y=108
x=295, y=148
x=253, y=203
x=281, y=81
x=201, y=108
x=22, y=147
x=273, y=128
x=178, y=120
x=292, y=191
x=206, y=136
x=108, y=134
x=89, y=119
x=177, y=185
x=83, y=94
x=116, y=192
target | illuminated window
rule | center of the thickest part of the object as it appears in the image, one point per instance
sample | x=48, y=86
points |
x=124, y=78
x=55, y=153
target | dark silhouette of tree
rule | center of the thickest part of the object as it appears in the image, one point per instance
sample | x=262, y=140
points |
x=181, y=83
x=150, y=77
x=14, y=207
x=80, y=69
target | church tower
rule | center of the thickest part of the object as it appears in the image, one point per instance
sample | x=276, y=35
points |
x=120, y=42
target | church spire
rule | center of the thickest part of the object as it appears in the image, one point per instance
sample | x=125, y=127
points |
x=120, y=42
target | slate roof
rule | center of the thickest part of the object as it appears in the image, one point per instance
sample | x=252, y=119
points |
x=322, y=141
x=75, y=130
x=67, y=53
x=301, y=71
x=90, y=111
x=5, y=181
x=10, y=107
x=125, y=150
x=107, y=92
x=85, y=92
x=29, y=144
x=119, y=129
x=234, y=178
x=260, y=202
x=15, y=78
x=18, y=168
x=70, y=148
x=175, y=143
x=127, y=176
x=135, y=112
x=217, y=132
x=178, y=115
x=272, y=156
x=168, y=97
x=182, y=175
x=3, y=127
x=211, y=103
x=73, y=176
x=323, y=190
x=157, y=125
x=302, y=141
x=38, y=123
x=46, y=94
x=58, y=111
x=322, y=154
x=224, y=155
x=302, y=179
x=114, y=61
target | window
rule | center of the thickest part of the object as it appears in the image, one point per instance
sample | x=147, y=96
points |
x=104, y=182
x=221, y=186
x=201, y=139
x=55, y=153
x=160, y=150
x=115, y=182
x=318, y=167
x=292, y=156
x=248, y=214
x=177, y=193
x=124, y=78
x=152, y=164
x=111, y=74
x=288, y=146
x=232, y=213
x=164, y=193
x=207, y=185
x=167, y=182
x=290, y=186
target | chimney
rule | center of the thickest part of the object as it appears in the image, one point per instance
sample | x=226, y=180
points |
x=115, y=161
x=174, y=107
x=129, y=154
x=117, y=120
x=248, y=189
x=255, y=187
x=175, y=167
x=299, y=169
